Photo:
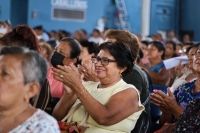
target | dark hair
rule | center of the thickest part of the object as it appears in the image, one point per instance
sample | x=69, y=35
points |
x=196, y=45
x=126, y=38
x=180, y=44
x=84, y=31
x=140, y=56
x=189, y=43
x=91, y=47
x=96, y=30
x=34, y=66
x=159, y=46
x=75, y=47
x=173, y=44
x=22, y=35
x=39, y=27
x=121, y=53
x=145, y=43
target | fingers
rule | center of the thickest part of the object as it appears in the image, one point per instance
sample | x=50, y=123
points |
x=169, y=92
x=160, y=93
x=73, y=67
x=156, y=99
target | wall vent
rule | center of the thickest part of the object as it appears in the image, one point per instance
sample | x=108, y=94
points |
x=68, y=14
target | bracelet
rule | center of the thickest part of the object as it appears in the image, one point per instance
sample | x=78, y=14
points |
x=81, y=93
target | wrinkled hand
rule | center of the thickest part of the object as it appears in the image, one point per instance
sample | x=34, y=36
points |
x=160, y=99
x=69, y=76
x=89, y=72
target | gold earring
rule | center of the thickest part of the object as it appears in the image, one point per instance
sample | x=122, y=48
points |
x=26, y=100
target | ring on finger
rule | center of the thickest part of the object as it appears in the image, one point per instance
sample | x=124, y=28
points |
x=61, y=76
x=84, y=70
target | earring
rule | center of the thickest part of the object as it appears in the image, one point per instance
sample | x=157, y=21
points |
x=26, y=100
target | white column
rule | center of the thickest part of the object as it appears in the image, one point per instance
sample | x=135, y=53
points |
x=145, y=26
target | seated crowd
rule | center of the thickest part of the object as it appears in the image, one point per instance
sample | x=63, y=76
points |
x=104, y=82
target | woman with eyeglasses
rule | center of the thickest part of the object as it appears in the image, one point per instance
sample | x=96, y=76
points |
x=112, y=105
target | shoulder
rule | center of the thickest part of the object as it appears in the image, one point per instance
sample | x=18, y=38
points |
x=39, y=122
x=185, y=86
x=122, y=85
x=45, y=122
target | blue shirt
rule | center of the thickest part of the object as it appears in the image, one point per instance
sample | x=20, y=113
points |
x=157, y=67
x=184, y=94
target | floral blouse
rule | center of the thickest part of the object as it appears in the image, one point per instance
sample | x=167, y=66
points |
x=39, y=122
x=184, y=94
x=189, y=120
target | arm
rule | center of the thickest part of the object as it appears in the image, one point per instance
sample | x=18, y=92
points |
x=167, y=104
x=112, y=112
x=158, y=78
x=115, y=110
x=62, y=107
x=165, y=117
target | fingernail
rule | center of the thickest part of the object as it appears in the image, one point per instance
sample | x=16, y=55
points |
x=52, y=68
x=57, y=66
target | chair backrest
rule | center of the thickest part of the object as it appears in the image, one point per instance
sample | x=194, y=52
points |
x=142, y=124
x=155, y=111
x=44, y=97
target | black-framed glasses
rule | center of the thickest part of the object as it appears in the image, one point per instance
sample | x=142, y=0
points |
x=104, y=61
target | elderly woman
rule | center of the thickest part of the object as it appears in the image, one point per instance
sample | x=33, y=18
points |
x=157, y=70
x=190, y=75
x=66, y=52
x=22, y=74
x=175, y=104
x=113, y=105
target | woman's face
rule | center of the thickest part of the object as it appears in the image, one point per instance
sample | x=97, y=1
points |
x=109, y=71
x=152, y=52
x=64, y=49
x=190, y=55
x=169, y=49
x=196, y=61
x=12, y=87
x=43, y=51
x=85, y=56
x=144, y=49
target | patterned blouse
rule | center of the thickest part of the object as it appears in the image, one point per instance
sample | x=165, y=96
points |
x=39, y=122
x=189, y=121
x=184, y=94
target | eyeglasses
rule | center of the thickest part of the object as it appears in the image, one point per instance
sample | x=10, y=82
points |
x=104, y=61
x=182, y=51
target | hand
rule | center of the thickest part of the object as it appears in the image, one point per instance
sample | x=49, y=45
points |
x=160, y=99
x=89, y=72
x=172, y=73
x=69, y=76
x=68, y=91
x=178, y=69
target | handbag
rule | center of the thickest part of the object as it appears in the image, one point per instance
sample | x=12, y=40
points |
x=166, y=128
x=73, y=127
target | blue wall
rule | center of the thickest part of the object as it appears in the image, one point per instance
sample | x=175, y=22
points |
x=163, y=15
x=190, y=17
x=5, y=9
x=96, y=9
x=18, y=14
x=134, y=8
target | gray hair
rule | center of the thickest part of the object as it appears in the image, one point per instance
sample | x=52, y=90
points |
x=34, y=66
